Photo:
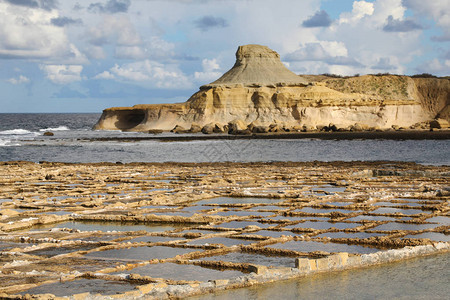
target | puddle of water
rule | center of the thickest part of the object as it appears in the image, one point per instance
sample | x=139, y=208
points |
x=161, y=207
x=202, y=231
x=269, y=207
x=315, y=218
x=414, y=204
x=324, y=225
x=140, y=253
x=310, y=246
x=339, y=203
x=441, y=220
x=370, y=218
x=160, y=180
x=350, y=235
x=329, y=189
x=273, y=233
x=172, y=213
x=198, y=208
x=228, y=242
x=5, y=246
x=152, y=239
x=403, y=226
x=93, y=286
x=53, y=251
x=237, y=200
x=434, y=236
x=241, y=225
x=184, y=272
x=323, y=210
x=242, y=213
x=306, y=218
x=292, y=219
x=25, y=209
x=254, y=258
x=58, y=213
x=116, y=226
x=392, y=210
x=418, y=278
x=159, y=189
x=97, y=238
x=383, y=203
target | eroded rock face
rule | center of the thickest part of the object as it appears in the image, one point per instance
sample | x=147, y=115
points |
x=260, y=90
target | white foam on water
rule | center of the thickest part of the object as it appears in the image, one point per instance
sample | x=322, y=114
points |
x=12, y=136
x=60, y=128
x=17, y=132
x=7, y=143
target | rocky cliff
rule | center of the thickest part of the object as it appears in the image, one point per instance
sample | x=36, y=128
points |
x=260, y=92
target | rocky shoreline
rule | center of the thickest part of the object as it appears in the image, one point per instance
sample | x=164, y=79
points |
x=344, y=135
x=169, y=230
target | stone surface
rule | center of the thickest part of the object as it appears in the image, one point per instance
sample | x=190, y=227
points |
x=70, y=238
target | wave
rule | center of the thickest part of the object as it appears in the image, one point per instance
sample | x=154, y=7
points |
x=17, y=132
x=7, y=143
x=60, y=128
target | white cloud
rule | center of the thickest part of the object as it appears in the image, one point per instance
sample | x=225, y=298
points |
x=28, y=33
x=320, y=50
x=95, y=52
x=435, y=67
x=130, y=52
x=114, y=29
x=438, y=11
x=359, y=11
x=63, y=74
x=210, y=71
x=149, y=73
x=357, y=43
x=19, y=80
x=104, y=75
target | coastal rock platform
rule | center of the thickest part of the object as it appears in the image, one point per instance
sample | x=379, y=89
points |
x=150, y=230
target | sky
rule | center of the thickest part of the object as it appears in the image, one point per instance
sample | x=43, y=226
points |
x=87, y=55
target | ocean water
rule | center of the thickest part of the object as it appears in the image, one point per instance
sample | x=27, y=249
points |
x=21, y=138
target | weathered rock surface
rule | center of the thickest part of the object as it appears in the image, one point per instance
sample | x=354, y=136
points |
x=260, y=90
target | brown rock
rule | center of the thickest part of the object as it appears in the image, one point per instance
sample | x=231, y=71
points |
x=48, y=133
x=218, y=128
x=260, y=129
x=236, y=126
x=208, y=128
x=195, y=128
x=439, y=124
x=179, y=129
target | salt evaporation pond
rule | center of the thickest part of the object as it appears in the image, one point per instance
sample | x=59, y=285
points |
x=419, y=278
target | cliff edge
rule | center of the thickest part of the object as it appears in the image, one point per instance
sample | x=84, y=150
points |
x=260, y=92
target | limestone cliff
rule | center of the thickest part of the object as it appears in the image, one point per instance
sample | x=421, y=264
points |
x=259, y=90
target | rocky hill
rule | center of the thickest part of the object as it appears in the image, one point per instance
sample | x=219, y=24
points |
x=260, y=94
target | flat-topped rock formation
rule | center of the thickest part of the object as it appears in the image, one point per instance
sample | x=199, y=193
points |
x=259, y=94
x=258, y=66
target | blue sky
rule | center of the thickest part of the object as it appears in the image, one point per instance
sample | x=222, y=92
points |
x=87, y=55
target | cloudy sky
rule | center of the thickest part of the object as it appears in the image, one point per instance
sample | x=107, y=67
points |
x=86, y=55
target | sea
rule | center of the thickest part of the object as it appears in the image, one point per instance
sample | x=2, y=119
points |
x=22, y=138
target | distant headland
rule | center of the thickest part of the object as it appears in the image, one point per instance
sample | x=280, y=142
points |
x=260, y=95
